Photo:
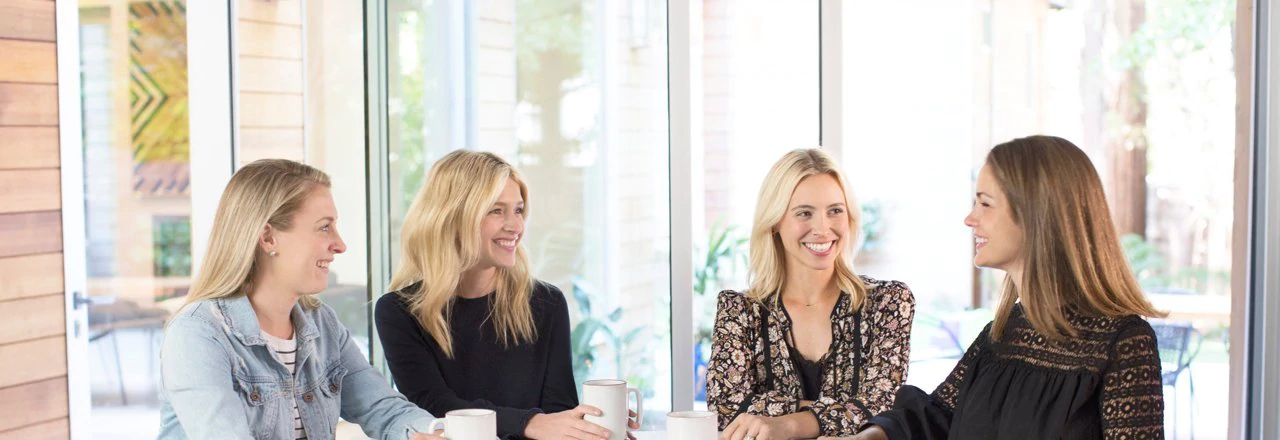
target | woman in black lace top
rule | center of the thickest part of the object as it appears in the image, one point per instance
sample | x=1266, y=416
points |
x=1069, y=354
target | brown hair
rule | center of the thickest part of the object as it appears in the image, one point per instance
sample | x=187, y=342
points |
x=1072, y=256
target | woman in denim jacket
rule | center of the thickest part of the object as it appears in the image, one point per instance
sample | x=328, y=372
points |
x=253, y=354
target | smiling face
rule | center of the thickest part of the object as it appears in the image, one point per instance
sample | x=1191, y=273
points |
x=815, y=227
x=304, y=251
x=997, y=237
x=502, y=228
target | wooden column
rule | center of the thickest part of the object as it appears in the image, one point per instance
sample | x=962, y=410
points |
x=33, y=365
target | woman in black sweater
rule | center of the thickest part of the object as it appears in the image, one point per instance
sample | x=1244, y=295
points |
x=1069, y=355
x=467, y=325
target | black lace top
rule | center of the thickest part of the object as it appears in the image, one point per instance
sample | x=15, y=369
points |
x=1103, y=384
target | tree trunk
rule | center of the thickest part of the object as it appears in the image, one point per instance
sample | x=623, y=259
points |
x=1128, y=146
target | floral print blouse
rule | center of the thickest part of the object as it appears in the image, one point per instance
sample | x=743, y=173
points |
x=752, y=371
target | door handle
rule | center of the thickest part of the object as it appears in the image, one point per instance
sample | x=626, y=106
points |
x=78, y=300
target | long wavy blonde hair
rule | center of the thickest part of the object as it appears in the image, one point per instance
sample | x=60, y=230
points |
x=1072, y=257
x=440, y=240
x=767, y=264
x=265, y=192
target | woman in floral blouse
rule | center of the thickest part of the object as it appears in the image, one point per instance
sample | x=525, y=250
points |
x=811, y=348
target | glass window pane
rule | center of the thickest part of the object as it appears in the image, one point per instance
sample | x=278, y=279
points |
x=300, y=99
x=1145, y=87
x=137, y=201
x=573, y=93
x=757, y=99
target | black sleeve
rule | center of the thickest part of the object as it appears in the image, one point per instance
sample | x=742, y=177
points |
x=417, y=373
x=560, y=391
x=916, y=415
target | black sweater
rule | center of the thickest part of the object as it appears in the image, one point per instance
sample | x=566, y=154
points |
x=516, y=382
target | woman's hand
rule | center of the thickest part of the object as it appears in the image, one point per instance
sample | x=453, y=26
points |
x=566, y=425
x=632, y=424
x=753, y=427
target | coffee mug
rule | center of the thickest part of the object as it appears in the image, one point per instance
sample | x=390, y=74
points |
x=610, y=397
x=467, y=424
x=691, y=425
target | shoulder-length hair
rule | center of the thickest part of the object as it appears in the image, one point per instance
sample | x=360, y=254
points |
x=767, y=266
x=265, y=192
x=440, y=240
x=1071, y=253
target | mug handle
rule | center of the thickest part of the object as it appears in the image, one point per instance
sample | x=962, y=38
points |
x=432, y=428
x=639, y=403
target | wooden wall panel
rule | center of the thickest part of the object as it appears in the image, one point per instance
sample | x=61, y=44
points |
x=270, y=40
x=29, y=147
x=32, y=361
x=32, y=318
x=270, y=110
x=271, y=75
x=30, y=233
x=57, y=429
x=28, y=104
x=29, y=62
x=30, y=275
x=33, y=403
x=27, y=20
x=265, y=138
x=282, y=11
x=30, y=190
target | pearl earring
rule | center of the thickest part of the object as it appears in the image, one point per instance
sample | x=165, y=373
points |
x=272, y=252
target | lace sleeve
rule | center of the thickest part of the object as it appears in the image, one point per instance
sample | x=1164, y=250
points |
x=1132, y=393
x=948, y=391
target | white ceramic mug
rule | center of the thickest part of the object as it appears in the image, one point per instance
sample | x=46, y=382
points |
x=691, y=425
x=467, y=424
x=610, y=397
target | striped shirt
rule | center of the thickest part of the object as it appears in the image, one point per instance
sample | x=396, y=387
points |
x=285, y=351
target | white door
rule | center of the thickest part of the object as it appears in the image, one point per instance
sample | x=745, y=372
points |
x=131, y=193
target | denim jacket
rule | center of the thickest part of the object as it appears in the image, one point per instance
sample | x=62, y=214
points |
x=220, y=381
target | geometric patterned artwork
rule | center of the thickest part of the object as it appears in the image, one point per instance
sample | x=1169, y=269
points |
x=158, y=98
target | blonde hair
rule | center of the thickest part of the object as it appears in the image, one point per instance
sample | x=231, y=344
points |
x=441, y=238
x=767, y=263
x=265, y=192
x=1072, y=257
